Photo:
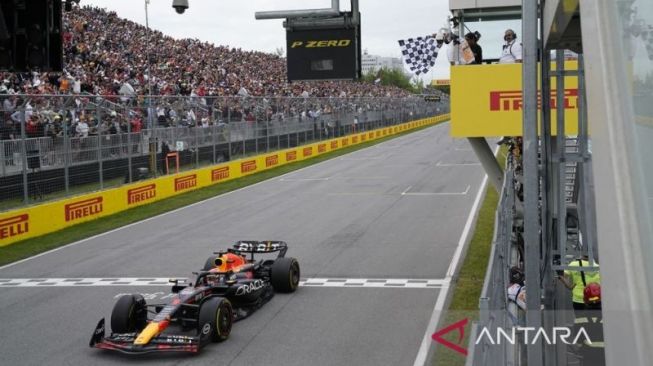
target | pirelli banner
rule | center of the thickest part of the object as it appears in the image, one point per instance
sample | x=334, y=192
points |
x=486, y=100
x=43, y=219
x=324, y=54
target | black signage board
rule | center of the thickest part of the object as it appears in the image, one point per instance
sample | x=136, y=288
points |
x=323, y=54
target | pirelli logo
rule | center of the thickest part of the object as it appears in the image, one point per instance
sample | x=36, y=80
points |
x=345, y=142
x=271, y=161
x=513, y=101
x=334, y=145
x=14, y=226
x=141, y=194
x=385, y=132
x=184, y=183
x=81, y=209
x=321, y=148
x=354, y=140
x=248, y=166
x=291, y=156
x=219, y=174
x=308, y=151
x=370, y=135
x=378, y=133
x=363, y=138
x=396, y=129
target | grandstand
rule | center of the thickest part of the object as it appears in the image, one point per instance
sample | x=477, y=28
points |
x=98, y=124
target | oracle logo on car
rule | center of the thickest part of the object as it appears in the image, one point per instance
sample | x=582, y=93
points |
x=219, y=174
x=85, y=208
x=187, y=182
x=271, y=161
x=308, y=151
x=291, y=156
x=321, y=148
x=141, y=194
x=513, y=100
x=248, y=166
x=14, y=226
x=334, y=144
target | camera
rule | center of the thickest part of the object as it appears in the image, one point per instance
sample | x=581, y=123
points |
x=180, y=6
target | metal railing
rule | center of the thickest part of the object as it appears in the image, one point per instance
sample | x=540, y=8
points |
x=51, y=153
x=496, y=311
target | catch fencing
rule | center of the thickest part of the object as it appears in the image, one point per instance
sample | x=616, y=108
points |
x=59, y=146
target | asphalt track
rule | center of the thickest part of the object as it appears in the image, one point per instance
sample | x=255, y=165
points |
x=394, y=211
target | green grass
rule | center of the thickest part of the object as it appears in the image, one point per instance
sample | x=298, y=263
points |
x=30, y=247
x=469, y=283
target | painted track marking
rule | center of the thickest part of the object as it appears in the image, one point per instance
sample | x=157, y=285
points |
x=163, y=281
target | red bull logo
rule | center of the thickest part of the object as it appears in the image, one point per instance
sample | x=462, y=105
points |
x=219, y=174
x=308, y=151
x=321, y=148
x=248, y=166
x=141, y=194
x=378, y=133
x=14, y=226
x=354, y=140
x=184, y=183
x=81, y=209
x=371, y=135
x=291, y=156
x=334, y=145
x=271, y=161
x=345, y=142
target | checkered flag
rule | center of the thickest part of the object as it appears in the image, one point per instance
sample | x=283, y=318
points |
x=420, y=53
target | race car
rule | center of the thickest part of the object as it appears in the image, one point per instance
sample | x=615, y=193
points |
x=231, y=286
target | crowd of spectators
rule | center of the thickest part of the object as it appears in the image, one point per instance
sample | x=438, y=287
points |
x=108, y=56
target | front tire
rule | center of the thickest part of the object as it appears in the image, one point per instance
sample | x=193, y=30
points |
x=129, y=315
x=215, y=320
x=284, y=274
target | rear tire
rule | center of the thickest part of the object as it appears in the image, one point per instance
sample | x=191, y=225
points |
x=129, y=315
x=215, y=320
x=284, y=274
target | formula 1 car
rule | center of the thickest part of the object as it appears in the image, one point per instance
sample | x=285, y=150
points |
x=230, y=287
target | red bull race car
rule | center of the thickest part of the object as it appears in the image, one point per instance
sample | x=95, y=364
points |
x=231, y=286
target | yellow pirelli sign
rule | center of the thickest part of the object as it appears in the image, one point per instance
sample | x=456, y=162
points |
x=486, y=100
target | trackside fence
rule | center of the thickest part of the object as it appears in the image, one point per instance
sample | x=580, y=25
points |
x=61, y=146
x=496, y=311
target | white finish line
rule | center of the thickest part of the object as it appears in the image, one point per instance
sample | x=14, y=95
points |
x=152, y=281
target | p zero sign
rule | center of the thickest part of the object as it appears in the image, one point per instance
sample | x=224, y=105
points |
x=319, y=54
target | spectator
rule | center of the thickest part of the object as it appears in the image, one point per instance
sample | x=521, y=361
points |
x=82, y=128
x=472, y=41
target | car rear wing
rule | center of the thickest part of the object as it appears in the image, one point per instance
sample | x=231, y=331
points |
x=267, y=246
